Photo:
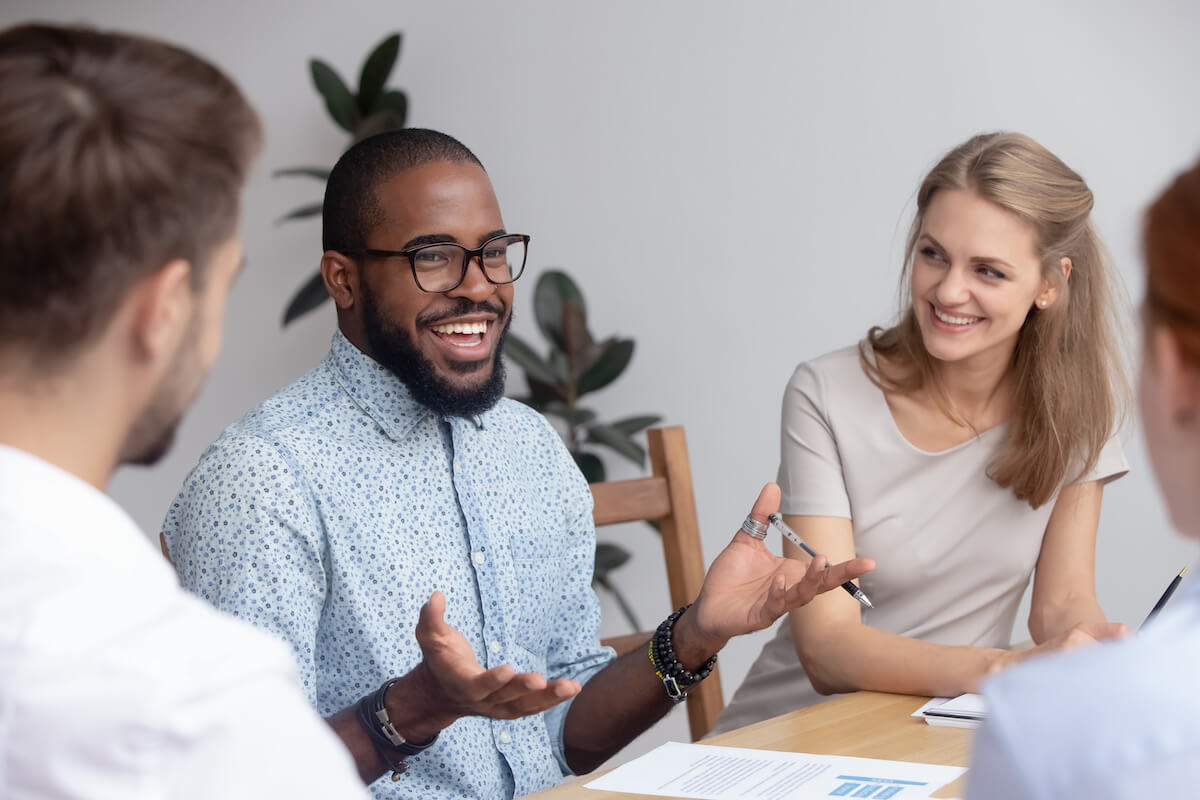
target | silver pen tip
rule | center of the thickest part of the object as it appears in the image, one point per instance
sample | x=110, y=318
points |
x=862, y=598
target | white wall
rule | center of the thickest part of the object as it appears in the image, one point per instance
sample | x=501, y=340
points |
x=728, y=182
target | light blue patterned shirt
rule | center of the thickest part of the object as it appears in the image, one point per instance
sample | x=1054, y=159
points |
x=331, y=512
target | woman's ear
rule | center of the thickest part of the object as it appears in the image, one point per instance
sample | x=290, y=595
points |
x=1049, y=293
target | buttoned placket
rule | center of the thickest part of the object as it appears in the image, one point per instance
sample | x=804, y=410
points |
x=467, y=438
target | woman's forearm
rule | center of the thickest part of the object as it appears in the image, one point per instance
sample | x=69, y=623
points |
x=863, y=658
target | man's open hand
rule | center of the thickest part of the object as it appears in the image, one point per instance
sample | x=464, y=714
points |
x=748, y=587
x=454, y=684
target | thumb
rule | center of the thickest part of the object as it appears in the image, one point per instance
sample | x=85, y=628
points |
x=432, y=617
x=766, y=504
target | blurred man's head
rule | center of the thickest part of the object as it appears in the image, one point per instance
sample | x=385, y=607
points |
x=122, y=160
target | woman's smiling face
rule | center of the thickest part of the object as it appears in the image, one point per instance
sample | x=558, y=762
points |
x=976, y=275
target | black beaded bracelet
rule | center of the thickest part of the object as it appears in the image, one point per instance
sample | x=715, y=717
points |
x=676, y=678
x=373, y=715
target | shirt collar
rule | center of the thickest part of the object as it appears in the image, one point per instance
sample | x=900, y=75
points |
x=35, y=490
x=377, y=390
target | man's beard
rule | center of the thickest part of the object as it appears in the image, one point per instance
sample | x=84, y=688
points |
x=395, y=349
x=154, y=431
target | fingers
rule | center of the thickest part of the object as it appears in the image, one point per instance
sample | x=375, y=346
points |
x=838, y=574
x=766, y=504
x=516, y=686
x=527, y=693
x=820, y=577
x=1107, y=630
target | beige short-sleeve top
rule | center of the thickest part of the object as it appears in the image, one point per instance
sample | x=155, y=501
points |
x=954, y=551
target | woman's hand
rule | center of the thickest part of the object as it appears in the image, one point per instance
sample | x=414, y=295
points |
x=1084, y=634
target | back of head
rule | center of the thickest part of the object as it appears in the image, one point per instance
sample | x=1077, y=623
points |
x=352, y=209
x=1171, y=240
x=1069, y=373
x=118, y=154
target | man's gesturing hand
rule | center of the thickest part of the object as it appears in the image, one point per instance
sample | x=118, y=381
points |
x=748, y=587
x=450, y=683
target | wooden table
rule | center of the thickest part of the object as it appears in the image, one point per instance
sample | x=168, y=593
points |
x=864, y=724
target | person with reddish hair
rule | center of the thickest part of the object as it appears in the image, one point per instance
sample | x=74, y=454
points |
x=1123, y=720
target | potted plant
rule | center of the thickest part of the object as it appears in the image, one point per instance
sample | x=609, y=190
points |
x=575, y=365
x=372, y=108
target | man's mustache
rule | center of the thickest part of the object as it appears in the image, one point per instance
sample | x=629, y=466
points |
x=461, y=308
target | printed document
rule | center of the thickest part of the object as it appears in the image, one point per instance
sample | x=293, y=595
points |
x=709, y=772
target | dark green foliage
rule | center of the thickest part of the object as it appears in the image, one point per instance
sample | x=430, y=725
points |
x=575, y=365
x=371, y=109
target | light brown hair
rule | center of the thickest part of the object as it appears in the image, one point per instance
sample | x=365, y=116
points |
x=1071, y=387
x=1171, y=242
x=118, y=154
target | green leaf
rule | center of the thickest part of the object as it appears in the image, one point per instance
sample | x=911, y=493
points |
x=574, y=415
x=553, y=289
x=610, y=557
x=311, y=295
x=591, y=466
x=559, y=368
x=338, y=99
x=320, y=173
x=631, y=425
x=543, y=393
x=375, y=72
x=310, y=210
x=577, y=340
x=379, y=122
x=394, y=102
x=611, y=437
x=616, y=355
x=527, y=359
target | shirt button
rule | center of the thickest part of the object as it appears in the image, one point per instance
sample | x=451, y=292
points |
x=495, y=648
x=479, y=557
x=504, y=737
x=456, y=467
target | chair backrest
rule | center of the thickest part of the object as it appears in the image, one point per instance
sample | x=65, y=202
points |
x=667, y=497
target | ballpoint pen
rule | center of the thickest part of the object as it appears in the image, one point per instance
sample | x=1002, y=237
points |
x=1162, y=601
x=795, y=539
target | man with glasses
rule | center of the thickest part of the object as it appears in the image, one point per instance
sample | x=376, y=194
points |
x=393, y=488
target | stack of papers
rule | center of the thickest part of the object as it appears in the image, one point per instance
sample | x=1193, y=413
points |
x=964, y=711
x=709, y=772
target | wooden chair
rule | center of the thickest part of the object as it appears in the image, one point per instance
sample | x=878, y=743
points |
x=666, y=496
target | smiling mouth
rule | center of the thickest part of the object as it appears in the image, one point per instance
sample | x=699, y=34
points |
x=462, y=334
x=952, y=321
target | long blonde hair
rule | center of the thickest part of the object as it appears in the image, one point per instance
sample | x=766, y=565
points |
x=1070, y=383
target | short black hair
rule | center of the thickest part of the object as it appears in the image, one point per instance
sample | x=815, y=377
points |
x=351, y=209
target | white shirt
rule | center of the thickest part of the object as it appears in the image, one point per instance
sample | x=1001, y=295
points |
x=114, y=683
x=1118, y=720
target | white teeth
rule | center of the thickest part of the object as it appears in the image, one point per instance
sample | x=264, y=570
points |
x=462, y=327
x=954, y=320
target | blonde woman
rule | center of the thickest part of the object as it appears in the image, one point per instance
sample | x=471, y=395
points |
x=1124, y=722
x=965, y=449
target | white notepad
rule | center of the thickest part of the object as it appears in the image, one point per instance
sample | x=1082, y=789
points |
x=964, y=711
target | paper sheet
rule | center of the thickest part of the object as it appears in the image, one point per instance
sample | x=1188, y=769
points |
x=964, y=711
x=708, y=772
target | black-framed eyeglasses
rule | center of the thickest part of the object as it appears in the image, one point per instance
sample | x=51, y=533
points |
x=441, y=267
